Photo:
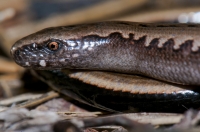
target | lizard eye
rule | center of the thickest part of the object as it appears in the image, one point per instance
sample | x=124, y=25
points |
x=53, y=46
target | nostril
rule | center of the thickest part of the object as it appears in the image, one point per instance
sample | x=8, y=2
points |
x=17, y=52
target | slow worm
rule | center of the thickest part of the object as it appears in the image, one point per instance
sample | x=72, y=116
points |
x=166, y=52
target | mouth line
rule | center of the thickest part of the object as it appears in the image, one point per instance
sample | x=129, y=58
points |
x=25, y=63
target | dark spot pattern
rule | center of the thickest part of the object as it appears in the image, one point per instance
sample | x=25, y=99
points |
x=143, y=25
x=190, y=25
x=124, y=23
x=166, y=26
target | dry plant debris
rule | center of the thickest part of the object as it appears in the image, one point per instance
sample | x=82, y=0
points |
x=24, y=110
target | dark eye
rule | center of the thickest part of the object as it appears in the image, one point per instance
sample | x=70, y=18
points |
x=53, y=46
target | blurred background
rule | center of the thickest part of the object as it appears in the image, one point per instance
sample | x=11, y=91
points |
x=19, y=18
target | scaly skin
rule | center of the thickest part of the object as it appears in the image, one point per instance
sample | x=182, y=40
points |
x=168, y=52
